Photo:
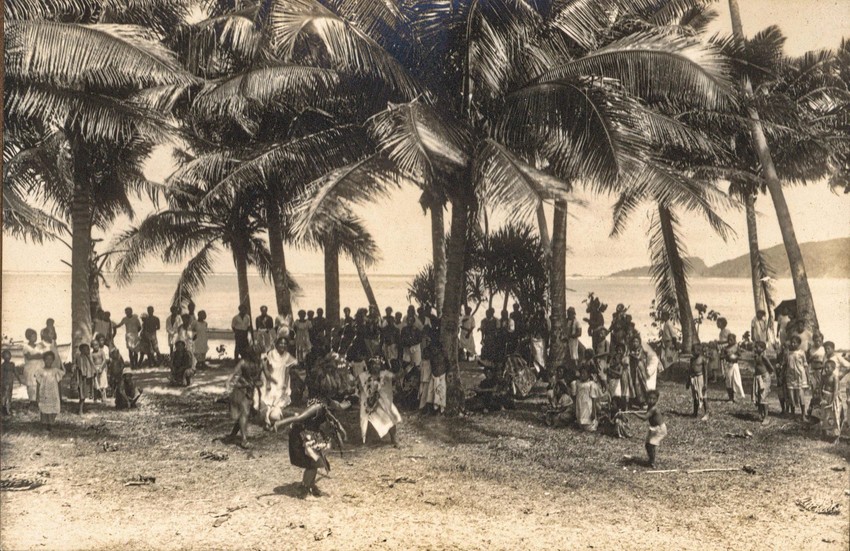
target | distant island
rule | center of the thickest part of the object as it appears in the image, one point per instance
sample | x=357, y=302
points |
x=824, y=259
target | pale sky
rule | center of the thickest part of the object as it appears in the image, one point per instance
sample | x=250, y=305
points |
x=402, y=231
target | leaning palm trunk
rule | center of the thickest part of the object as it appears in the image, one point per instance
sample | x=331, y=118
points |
x=455, y=257
x=240, y=261
x=364, y=281
x=81, y=244
x=278, y=267
x=805, y=301
x=558, y=276
x=677, y=270
x=331, y=253
x=755, y=260
x=543, y=230
x=438, y=245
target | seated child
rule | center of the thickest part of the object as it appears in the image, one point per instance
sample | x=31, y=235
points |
x=181, y=365
x=561, y=407
x=126, y=392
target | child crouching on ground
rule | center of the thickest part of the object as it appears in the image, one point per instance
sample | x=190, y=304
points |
x=657, y=427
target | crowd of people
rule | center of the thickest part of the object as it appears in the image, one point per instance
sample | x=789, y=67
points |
x=381, y=361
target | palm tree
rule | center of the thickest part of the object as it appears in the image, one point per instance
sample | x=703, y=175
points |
x=805, y=301
x=95, y=85
x=197, y=231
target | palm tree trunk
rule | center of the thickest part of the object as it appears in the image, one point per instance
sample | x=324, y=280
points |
x=755, y=261
x=450, y=320
x=278, y=267
x=240, y=261
x=364, y=281
x=331, y=253
x=805, y=300
x=81, y=247
x=438, y=246
x=677, y=268
x=558, y=282
x=543, y=230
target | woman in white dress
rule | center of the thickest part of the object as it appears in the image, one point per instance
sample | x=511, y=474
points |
x=202, y=343
x=467, y=328
x=276, y=393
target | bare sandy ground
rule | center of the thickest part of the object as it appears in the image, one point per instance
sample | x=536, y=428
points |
x=495, y=481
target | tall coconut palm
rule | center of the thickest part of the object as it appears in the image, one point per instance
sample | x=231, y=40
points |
x=97, y=85
x=805, y=300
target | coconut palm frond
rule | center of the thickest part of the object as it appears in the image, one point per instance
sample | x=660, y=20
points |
x=295, y=87
x=655, y=66
x=581, y=20
x=355, y=241
x=288, y=166
x=162, y=16
x=201, y=173
x=194, y=275
x=759, y=58
x=98, y=117
x=24, y=221
x=587, y=129
x=366, y=179
x=666, y=131
x=216, y=45
x=151, y=237
x=307, y=24
x=164, y=99
x=627, y=203
x=670, y=187
x=74, y=10
x=503, y=179
x=416, y=138
x=88, y=57
x=661, y=268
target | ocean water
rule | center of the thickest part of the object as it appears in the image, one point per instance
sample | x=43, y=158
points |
x=30, y=298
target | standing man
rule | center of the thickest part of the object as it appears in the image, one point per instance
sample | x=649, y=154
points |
x=132, y=327
x=759, y=330
x=669, y=338
x=467, y=326
x=265, y=329
x=172, y=325
x=320, y=330
x=572, y=333
x=241, y=326
x=149, y=344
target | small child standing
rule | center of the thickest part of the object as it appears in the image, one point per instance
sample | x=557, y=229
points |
x=115, y=369
x=657, y=427
x=85, y=374
x=762, y=368
x=49, y=398
x=698, y=379
x=797, y=377
x=8, y=376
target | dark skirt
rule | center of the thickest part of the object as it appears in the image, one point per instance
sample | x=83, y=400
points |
x=300, y=439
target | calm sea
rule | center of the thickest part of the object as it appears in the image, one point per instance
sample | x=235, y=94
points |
x=30, y=298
